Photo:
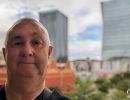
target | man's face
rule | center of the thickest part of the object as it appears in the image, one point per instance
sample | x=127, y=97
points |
x=27, y=52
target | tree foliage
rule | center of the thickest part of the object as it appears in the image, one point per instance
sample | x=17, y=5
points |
x=109, y=89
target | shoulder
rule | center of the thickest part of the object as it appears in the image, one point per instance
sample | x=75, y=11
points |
x=2, y=89
x=54, y=95
x=1, y=86
x=58, y=96
x=2, y=93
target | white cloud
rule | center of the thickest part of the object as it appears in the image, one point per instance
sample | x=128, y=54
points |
x=72, y=8
x=85, y=49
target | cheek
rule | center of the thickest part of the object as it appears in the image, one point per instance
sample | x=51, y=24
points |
x=11, y=58
x=42, y=61
x=42, y=55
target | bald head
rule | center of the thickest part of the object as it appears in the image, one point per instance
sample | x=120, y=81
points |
x=25, y=22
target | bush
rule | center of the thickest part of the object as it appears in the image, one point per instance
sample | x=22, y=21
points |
x=123, y=85
x=96, y=96
x=115, y=79
x=116, y=94
x=55, y=88
x=99, y=81
x=127, y=75
x=104, y=87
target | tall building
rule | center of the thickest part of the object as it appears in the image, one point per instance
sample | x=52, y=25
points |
x=116, y=31
x=57, y=26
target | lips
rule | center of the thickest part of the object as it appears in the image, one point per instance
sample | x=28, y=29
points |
x=26, y=61
x=27, y=64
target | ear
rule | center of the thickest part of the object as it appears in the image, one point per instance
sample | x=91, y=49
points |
x=4, y=52
x=49, y=50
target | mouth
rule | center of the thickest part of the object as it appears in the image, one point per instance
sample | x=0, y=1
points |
x=26, y=63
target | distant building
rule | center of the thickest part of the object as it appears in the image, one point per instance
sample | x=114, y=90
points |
x=116, y=29
x=57, y=26
x=60, y=75
x=2, y=63
x=98, y=69
x=1, y=55
x=87, y=69
x=3, y=73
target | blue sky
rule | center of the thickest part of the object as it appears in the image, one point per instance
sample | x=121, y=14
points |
x=85, y=22
x=92, y=32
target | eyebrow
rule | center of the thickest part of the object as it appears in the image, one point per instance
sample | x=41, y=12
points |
x=15, y=38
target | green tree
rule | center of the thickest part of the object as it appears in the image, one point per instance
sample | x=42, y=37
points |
x=123, y=85
x=127, y=75
x=82, y=89
x=96, y=95
x=104, y=87
x=116, y=94
x=115, y=79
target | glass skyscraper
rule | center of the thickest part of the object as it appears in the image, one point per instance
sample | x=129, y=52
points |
x=116, y=29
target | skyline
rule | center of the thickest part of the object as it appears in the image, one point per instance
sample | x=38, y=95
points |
x=85, y=22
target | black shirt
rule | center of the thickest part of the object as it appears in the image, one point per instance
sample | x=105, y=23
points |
x=45, y=95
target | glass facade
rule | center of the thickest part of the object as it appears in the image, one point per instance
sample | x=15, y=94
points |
x=116, y=29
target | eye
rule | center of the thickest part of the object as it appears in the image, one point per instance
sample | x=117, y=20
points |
x=17, y=43
x=37, y=42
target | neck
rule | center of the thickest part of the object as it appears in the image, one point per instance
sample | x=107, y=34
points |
x=22, y=92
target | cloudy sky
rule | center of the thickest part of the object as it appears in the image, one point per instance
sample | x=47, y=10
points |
x=85, y=22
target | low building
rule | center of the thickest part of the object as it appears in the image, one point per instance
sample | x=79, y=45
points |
x=95, y=69
x=87, y=69
x=3, y=73
x=61, y=75
x=1, y=55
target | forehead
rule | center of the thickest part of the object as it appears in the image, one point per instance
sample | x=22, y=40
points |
x=26, y=28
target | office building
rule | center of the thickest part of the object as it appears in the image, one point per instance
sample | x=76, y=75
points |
x=57, y=26
x=116, y=29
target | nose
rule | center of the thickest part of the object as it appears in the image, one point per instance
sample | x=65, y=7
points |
x=27, y=51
